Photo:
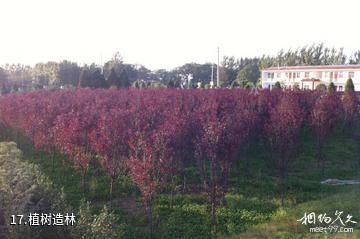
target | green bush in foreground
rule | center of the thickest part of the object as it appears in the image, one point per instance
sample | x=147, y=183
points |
x=101, y=226
x=187, y=221
x=24, y=190
x=349, y=86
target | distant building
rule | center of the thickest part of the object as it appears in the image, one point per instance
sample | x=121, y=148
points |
x=308, y=77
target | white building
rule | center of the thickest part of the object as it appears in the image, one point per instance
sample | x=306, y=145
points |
x=308, y=77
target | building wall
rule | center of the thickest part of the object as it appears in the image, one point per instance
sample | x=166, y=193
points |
x=337, y=76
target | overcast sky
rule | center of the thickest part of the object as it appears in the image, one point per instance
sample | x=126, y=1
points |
x=169, y=33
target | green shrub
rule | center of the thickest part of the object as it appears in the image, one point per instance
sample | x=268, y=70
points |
x=332, y=87
x=321, y=87
x=98, y=226
x=349, y=86
x=181, y=199
x=237, y=220
x=253, y=204
x=240, y=212
x=277, y=85
x=187, y=221
x=24, y=190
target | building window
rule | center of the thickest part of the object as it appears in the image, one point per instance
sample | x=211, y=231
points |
x=297, y=74
x=351, y=75
x=270, y=75
x=278, y=75
x=326, y=74
x=331, y=75
x=294, y=75
x=340, y=74
x=320, y=74
x=335, y=75
x=307, y=74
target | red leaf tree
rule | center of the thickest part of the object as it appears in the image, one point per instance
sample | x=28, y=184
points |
x=351, y=108
x=151, y=149
x=283, y=131
x=325, y=115
x=109, y=140
x=225, y=126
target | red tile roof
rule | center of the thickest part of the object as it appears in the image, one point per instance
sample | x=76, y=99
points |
x=312, y=79
x=324, y=67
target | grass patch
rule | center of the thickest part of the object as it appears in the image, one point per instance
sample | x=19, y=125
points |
x=252, y=206
x=284, y=224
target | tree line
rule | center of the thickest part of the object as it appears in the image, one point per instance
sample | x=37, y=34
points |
x=241, y=72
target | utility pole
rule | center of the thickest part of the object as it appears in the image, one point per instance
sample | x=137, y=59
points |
x=101, y=64
x=218, y=68
x=212, y=75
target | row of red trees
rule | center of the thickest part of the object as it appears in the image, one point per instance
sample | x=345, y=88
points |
x=152, y=135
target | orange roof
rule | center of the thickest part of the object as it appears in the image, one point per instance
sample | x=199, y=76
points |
x=324, y=67
x=312, y=79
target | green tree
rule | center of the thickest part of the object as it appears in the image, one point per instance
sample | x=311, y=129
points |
x=3, y=75
x=143, y=84
x=46, y=74
x=199, y=72
x=98, y=80
x=250, y=73
x=355, y=59
x=113, y=79
x=4, y=84
x=115, y=63
x=173, y=83
x=124, y=80
x=307, y=55
x=69, y=73
x=235, y=84
x=84, y=78
x=21, y=74
x=321, y=87
x=231, y=68
x=170, y=84
x=277, y=85
x=349, y=86
x=296, y=86
x=332, y=87
x=136, y=85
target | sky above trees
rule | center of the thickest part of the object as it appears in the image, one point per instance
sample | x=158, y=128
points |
x=165, y=34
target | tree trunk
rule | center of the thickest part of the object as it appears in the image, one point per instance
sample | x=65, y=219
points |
x=151, y=220
x=184, y=182
x=172, y=191
x=282, y=187
x=213, y=220
x=111, y=191
x=283, y=177
x=83, y=173
x=213, y=199
x=322, y=161
x=203, y=172
x=318, y=152
x=53, y=160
